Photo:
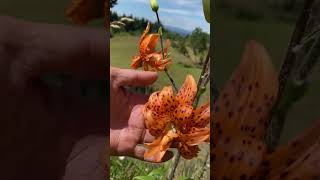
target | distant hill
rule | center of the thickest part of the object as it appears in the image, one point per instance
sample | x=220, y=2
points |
x=182, y=32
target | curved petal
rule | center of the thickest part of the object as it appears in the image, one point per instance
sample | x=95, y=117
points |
x=155, y=123
x=162, y=101
x=154, y=102
x=156, y=62
x=187, y=91
x=182, y=117
x=306, y=167
x=168, y=100
x=237, y=157
x=201, y=116
x=188, y=152
x=292, y=155
x=195, y=136
x=246, y=101
x=154, y=150
x=158, y=148
x=148, y=44
x=136, y=62
x=145, y=32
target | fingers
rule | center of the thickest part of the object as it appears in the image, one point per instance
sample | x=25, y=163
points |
x=137, y=121
x=147, y=138
x=79, y=51
x=127, y=77
x=139, y=154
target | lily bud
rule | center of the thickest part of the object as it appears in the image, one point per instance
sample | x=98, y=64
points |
x=154, y=5
x=206, y=9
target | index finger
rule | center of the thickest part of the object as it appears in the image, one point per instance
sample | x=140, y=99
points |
x=48, y=48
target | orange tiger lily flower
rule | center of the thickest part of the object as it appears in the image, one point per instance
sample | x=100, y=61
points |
x=171, y=118
x=241, y=118
x=148, y=56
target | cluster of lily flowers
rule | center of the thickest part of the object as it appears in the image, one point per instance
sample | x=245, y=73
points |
x=171, y=118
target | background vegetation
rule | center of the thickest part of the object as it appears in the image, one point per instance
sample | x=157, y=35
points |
x=194, y=45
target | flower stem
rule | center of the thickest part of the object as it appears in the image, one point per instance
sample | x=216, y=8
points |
x=204, y=79
x=177, y=157
x=277, y=124
x=162, y=51
x=175, y=165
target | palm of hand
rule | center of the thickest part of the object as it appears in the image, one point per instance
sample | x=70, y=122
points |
x=127, y=126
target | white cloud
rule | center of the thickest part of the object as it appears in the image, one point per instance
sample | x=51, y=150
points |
x=185, y=14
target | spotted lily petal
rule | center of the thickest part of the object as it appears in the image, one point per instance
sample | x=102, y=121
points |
x=237, y=157
x=158, y=148
x=188, y=152
x=188, y=91
x=245, y=103
x=296, y=156
x=306, y=167
x=201, y=116
x=195, y=136
x=181, y=117
x=162, y=101
x=157, y=124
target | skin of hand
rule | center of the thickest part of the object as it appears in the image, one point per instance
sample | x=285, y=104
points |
x=127, y=127
x=40, y=125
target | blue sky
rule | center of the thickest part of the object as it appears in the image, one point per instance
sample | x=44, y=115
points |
x=184, y=14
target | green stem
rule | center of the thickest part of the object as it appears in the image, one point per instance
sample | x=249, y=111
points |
x=177, y=157
x=204, y=79
x=277, y=124
x=165, y=69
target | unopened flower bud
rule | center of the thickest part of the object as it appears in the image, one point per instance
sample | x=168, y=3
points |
x=206, y=9
x=154, y=5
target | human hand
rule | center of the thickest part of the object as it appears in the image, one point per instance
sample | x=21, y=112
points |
x=40, y=124
x=127, y=126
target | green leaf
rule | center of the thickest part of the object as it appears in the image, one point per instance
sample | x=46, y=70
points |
x=157, y=172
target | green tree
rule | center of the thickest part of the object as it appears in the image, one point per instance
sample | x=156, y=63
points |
x=113, y=3
x=199, y=40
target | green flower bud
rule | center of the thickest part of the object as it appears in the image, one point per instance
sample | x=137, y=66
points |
x=206, y=9
x=154, y=5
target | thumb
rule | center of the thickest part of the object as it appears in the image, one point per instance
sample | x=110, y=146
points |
x=128, y=77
